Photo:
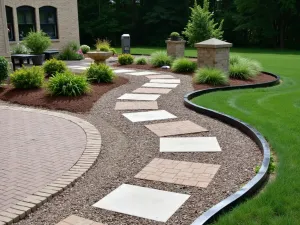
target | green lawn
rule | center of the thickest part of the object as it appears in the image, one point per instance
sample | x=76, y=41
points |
x=275, y=113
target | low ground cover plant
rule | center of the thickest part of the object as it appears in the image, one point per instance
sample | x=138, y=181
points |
x=210, y=76
x=141, y=61
x=53, y=66
x=125, y=59
x=243, y=69
x=183, y=65
x=28, y=77
x=3, y=69
x=160, y=58
x=68, y=84
x=70, y=51
x=100, y=73
x=85, y=49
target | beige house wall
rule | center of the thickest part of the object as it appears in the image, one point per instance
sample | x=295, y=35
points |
x=67, y=20
x=4, y=46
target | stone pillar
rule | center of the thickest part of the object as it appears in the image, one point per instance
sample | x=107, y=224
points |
x=213, y=53
x=4, y=46
x=175, y=48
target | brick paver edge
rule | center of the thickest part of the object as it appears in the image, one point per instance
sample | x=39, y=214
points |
x=85, y=162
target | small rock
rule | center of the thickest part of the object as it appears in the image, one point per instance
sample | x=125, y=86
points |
x=165, y=67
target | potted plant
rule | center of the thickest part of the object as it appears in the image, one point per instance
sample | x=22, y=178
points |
x=37, y=42
x=175, y=36
x=103, y=51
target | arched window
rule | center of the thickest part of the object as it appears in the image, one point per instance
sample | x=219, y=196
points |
x=48, y=20
x=26, y=20
x=10, y=23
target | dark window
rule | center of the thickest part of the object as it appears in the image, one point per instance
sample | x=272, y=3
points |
x=10, y=23
x=48, y=20
x=26, y=20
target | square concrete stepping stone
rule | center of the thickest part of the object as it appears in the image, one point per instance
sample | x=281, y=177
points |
x=143, y=202
x=123, y=71
x=149, y=116
x=152, y=90
x=160, y=77
x=139, y=105
x=179, y=172
x=76, y=220
x=175, y=128
x=142, y=73
x=190, y=144
x=158, y=85
x=139, y=97
x=165, y=81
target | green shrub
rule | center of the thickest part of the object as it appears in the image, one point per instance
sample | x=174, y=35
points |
x=210, y=76
x=37, y=42
x=69, y=53
x=201, y=25
x=20, y=49
x=125, y=59
x=175, y=35
x=74, y=45
x=67, y=84
x=28, y=77
x=243, y=68
x=113, y=50
x=3, y=69
x=160, y=58
x=85, y=49
x=101, y=73
x=184, y=65
x=141, y=61
x=53, y=66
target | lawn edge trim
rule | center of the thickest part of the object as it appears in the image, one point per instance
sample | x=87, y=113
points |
x=255, y=183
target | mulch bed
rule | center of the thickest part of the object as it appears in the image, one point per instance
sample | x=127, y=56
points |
x=261, y=78
x=40, y=98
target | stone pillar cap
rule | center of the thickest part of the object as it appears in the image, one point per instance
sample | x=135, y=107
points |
x=213, y=43
x=179, y=41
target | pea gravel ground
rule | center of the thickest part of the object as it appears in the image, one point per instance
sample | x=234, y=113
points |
x=128, y=147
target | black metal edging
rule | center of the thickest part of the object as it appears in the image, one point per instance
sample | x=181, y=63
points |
x=257, y=182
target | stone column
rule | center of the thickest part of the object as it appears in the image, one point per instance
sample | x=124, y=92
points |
x=4, y=44
x=213, y=53
x=175, y=48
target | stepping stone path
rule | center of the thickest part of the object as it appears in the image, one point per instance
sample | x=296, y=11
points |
x=143, y=202
x=151, y=203
x=76, y=220
x=179, y=172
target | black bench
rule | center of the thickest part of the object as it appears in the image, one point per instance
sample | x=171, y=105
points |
x=20, y=58
x=50, y=53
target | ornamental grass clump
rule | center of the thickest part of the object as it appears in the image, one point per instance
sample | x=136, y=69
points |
x=71, y=51
x=243, y=68
x=68, y=84
x=100, y=73
x=141, y=61
x=125, y=59
x=20, y=49
x=37, y=42
x=160, y=58
x=183, y=65
x=28, y=77
x=210, y=76
x=3, y=69
x=53, y=66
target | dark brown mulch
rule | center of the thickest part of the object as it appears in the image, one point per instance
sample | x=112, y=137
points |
x=40, y=98
x=261, y=78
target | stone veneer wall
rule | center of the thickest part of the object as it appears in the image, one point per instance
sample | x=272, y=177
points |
x=214, y=57
x=67, y=20
x=175, y=48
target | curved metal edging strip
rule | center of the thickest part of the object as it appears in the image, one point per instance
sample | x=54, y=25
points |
x=254, y=184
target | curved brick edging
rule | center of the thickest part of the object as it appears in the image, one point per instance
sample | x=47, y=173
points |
x=85, y=162
x=257, y=182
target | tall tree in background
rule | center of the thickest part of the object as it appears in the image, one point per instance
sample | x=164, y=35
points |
x=201, y=25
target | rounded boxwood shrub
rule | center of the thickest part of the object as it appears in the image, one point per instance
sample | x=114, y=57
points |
x=85, y=49
x=28, y=77
x=243, y=68
x=125, y=59
x=141, y=61
x=101, y=73
x=68, y=84
x=53, y=66
x=184, y=65
x=3, y=69
x=160, y=58
x=210, y=76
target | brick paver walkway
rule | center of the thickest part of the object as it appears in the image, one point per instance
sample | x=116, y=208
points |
x=35, y=150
